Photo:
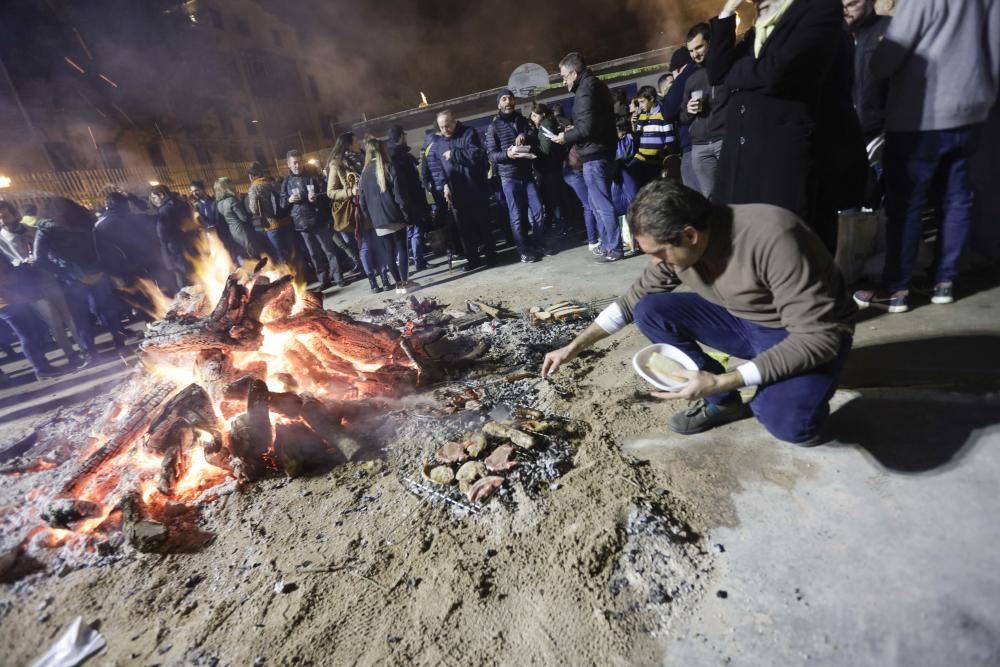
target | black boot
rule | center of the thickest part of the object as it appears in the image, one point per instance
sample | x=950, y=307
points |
x=338, y=280
x=388, y=285
x=376, y=288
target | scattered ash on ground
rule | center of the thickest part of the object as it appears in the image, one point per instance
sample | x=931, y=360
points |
x=662, y=563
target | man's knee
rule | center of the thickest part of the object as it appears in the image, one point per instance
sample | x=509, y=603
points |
x=653, y=313
x=794, y=424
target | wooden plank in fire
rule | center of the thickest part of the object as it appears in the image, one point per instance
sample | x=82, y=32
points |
x=141, y=416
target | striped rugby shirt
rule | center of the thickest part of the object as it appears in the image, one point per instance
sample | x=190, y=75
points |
x=654, y=134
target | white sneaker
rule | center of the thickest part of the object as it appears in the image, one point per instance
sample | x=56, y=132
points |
x=595, y=249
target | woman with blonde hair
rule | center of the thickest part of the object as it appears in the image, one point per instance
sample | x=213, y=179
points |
x=383, y=203
x=343, y=176
x=229, y=204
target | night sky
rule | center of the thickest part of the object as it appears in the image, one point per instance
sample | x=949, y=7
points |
x=378, y=55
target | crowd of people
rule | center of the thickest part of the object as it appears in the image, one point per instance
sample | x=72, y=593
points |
x=782, y=116
x=773, y=131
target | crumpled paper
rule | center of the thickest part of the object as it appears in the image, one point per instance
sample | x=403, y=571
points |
x=75, y=645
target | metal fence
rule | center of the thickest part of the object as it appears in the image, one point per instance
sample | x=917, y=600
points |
x=89, y=186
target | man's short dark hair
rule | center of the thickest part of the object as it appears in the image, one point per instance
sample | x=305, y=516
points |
x=198, y=184
x=295, y=152
x=702, y=29
x=647, y=93
x=663, y=77
x=573, y=61
x=680, y=57
x=663, y=208
x=115, y=201
x=30, y=209
x=257, y=170
x=160, y=190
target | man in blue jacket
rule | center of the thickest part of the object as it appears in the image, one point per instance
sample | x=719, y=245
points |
x=463, y=160
x=509, y=144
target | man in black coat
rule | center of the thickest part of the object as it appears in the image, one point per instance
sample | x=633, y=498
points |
x=510, y=142
x=792, y=139
x=304, y=190
x=596, y=138
x=178, y=233
x=463, y=160
x=869, y=93
x=405, y=167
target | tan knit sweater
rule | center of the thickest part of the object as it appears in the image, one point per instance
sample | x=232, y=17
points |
x=764, y=265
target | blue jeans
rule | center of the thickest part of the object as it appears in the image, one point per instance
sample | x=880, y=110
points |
x=99, y=299
x=282, y=244
x=372, y=254
x=394, y=251
x=574, y=180
x=793, y=409
x=913, y=162
x=598, y=175
x=415, y=239
x=526, y=212
x=31, y=331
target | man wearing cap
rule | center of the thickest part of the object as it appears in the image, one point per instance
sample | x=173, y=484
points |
x=510, y=142
x=683, y=66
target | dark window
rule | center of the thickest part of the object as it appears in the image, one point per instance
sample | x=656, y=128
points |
x=216, y=18
x=313, y=88
x=277, y=38
x=109, y=155
x=200, y=152
x=326, y=125
x=242, y=26
x=156, y=155
x=225, y=124
x=251, y=126
x=60, y=156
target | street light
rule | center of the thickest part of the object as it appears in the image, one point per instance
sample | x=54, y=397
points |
x=153, y=184
x=4, y=182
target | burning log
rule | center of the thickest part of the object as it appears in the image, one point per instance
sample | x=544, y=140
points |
x=64, y=511
x=250, y=436
x=137, y=424
x=142, y=534
x=234, y=324
x=299, y=448
x=327, y=426
x=176, y=459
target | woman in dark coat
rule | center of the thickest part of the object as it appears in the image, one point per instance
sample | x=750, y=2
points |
x=249, y=241
x=792, y=139
x=383, y=202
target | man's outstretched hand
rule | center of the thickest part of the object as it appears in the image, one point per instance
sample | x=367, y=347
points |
x=556, y=358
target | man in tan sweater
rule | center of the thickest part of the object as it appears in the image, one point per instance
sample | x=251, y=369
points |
x=762, y=287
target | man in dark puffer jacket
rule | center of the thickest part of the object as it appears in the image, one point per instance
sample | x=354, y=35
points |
x=510, y=144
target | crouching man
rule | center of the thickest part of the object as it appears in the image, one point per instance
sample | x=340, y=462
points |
x=762, y=287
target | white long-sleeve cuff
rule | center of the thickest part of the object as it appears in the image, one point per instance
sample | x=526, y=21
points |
x=750, y=374
x=611, y=319
x=725, y=14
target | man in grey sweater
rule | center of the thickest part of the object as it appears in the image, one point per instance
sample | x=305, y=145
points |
x=762, y=287
x=942, y=61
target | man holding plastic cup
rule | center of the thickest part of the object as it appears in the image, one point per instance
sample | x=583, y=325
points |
x=762, y=287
